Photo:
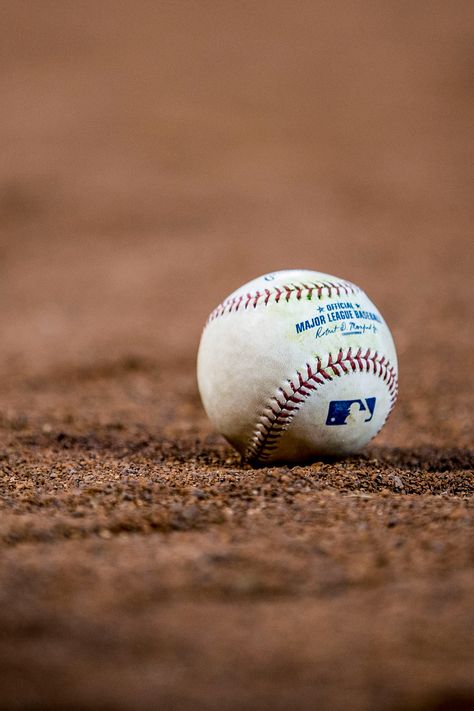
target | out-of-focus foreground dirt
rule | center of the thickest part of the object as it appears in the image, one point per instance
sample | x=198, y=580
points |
x=153, y=156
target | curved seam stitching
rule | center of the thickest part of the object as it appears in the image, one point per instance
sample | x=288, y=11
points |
x=280, y=412
x=282, y=293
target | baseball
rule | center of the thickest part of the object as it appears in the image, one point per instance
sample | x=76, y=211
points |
x=295, y=365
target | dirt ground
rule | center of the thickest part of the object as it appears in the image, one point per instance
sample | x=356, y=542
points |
x=153, y=157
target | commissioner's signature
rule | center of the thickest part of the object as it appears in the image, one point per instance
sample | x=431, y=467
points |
x=346, y=329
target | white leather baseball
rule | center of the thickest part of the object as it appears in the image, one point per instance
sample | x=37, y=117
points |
x=297, y=364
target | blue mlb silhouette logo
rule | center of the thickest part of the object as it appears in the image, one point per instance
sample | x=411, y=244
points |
x=339, y=410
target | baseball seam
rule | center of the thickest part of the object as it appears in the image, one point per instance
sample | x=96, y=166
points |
x=284, y=293
x=282, y=407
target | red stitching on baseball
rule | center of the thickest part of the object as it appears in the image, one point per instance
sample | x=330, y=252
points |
x=278, y=415
x=283, y=294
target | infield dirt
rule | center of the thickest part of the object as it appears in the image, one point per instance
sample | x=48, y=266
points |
x=154, y=156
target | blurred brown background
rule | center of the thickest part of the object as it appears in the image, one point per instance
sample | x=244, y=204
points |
x=153, y=157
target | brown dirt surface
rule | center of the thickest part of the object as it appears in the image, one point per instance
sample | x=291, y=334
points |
x=154, y=156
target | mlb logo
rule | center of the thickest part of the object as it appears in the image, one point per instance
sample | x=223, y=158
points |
x=339, y=410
